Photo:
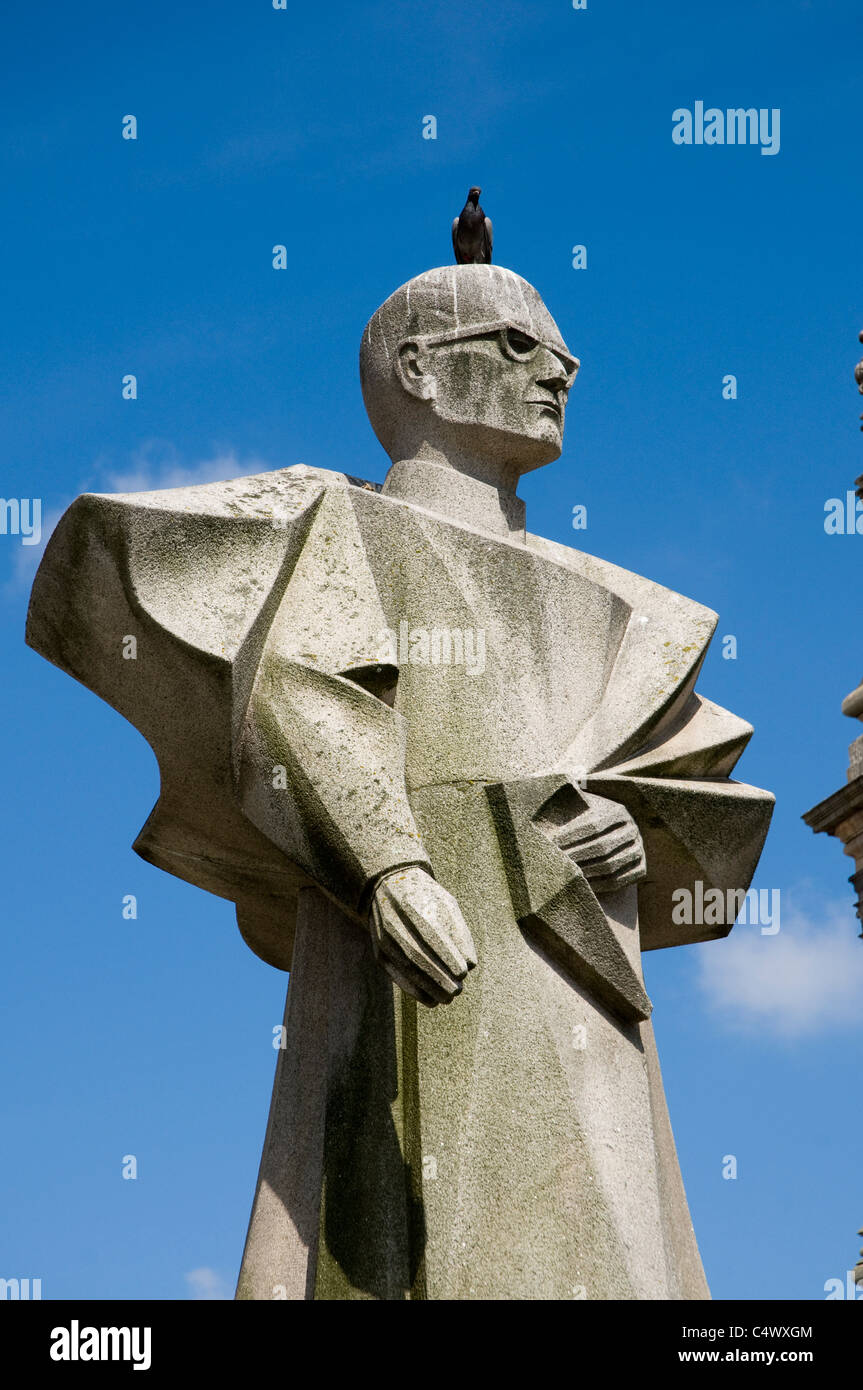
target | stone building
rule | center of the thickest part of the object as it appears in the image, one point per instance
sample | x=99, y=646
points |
x=842, y=813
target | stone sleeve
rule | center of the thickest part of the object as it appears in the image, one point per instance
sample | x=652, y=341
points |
x=321, y=760
x=322, y=775
x=699, y=835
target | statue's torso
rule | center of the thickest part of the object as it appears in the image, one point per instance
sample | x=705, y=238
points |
x=503, y=653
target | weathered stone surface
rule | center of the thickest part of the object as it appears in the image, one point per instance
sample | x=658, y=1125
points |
x=458, y=763
x=842, y=813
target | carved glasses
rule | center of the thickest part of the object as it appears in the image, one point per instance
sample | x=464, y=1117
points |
x=513, y=341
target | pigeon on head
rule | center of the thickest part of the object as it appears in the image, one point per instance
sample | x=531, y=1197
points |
x=472, y=233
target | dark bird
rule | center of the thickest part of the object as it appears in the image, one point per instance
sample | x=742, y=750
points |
x=472, y=233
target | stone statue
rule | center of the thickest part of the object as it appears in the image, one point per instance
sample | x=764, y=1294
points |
x=451, y=775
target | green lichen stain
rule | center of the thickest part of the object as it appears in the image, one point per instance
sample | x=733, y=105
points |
x=372, y=1228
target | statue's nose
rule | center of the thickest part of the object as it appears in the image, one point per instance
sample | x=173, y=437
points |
x=550, y=369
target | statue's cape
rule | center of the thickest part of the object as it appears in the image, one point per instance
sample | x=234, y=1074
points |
x=245, y=628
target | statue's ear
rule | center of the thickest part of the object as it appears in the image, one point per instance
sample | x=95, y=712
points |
x=412, y=368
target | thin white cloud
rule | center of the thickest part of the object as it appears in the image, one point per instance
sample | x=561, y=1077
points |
x=157, y=465
x=207, y=1284
x=806, y=979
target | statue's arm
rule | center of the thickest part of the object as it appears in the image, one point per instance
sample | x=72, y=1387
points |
x=322, y=775
x=665, y=754
x=150, y=607
x=702, y=836
x=321, y=760
x=702, y=831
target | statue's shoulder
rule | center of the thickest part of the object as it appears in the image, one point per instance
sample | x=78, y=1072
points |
x=642, y=595
x=175, y=551
x=274, y=494
x=203, y=515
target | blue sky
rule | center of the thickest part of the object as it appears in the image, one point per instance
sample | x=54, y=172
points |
x=304, y=127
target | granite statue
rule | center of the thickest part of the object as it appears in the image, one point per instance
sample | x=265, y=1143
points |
x=451, y=774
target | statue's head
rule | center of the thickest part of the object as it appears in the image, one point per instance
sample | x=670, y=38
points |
x=467, y=361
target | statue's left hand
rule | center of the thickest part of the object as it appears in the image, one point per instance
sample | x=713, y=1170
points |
x=419, y=936
x=603, y=840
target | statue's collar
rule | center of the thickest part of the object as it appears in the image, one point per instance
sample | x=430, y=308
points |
x=457, y=496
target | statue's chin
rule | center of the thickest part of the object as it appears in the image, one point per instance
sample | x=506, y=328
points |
x=525, y=452
x=498, y=448
x=543, y=445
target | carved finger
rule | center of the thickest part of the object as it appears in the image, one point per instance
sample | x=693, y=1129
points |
x=615, y=862
x=421, y=985
x=606, y=846
x=615, y=857
x=622, y=879
x=464, y=940
x=407, y=986
x=401, y=946
x=617, y=868
x=409, y=976
x=456, y=928
x=424, y=921
x=585, y=832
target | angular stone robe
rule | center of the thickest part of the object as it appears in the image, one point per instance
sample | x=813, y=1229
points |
x=514, y=1143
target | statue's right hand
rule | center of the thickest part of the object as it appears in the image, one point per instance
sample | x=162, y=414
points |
x=420, y=937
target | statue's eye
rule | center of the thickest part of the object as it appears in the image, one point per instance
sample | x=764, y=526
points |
x=520, y=344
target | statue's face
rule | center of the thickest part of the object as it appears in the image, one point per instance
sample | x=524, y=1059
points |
x=500, y=384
